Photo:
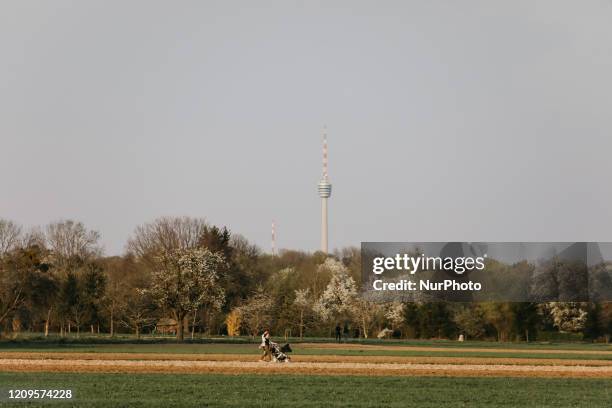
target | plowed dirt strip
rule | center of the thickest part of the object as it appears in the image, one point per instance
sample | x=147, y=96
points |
x=344, y=346
x=243, y=367
x=303, y=358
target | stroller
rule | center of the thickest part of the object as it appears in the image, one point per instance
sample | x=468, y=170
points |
x=279, y=353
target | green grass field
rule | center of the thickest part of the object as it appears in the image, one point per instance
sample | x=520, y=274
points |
x=105, y=390
x=151, y=390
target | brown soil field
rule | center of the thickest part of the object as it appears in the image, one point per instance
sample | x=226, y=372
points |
x=378, y=368
x=328, y=346
x=305, y=358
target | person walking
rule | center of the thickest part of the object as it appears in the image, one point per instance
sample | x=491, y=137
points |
x=338, y=333
x=265, y=346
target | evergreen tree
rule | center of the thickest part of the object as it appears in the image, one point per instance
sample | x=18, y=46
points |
x=94, y=285
x=526, y=319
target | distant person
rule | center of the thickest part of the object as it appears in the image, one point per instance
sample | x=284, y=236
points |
x=265, y=346
x=338, y=333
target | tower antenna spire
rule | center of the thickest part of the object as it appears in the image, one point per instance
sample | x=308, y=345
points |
x=324, y=152
x=273, y=238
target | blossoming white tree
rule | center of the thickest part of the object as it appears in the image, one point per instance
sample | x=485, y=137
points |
x=339, y=293
x=186, y=280
x=394, y=314
x=340, y=298
x=256, y=313
x=364, y=312
x=568, y=316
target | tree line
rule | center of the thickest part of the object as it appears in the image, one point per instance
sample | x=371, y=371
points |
x=201, y=279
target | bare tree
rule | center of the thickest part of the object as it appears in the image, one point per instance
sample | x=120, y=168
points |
x=71, y=245
x=11, y=292
x=137, y=308
x=166, y=234
x=33, y=237
x=303, y=303
x=124, y=276
x=113, y=300
x=10, y=234
x=70, y=241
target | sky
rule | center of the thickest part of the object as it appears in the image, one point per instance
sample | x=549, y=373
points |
x=447, y=121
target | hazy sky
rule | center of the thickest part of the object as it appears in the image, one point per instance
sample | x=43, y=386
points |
x=448, y=120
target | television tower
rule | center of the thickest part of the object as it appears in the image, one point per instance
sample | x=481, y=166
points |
x=324, y=192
